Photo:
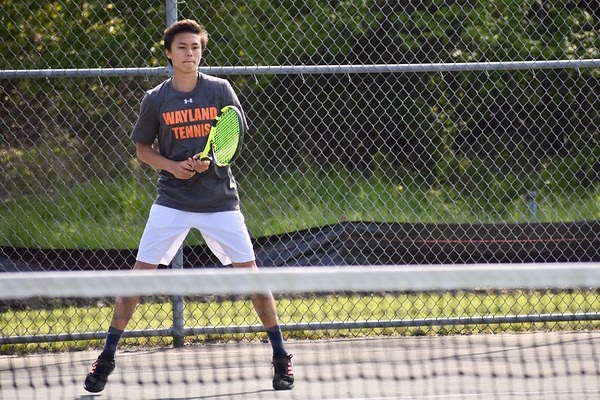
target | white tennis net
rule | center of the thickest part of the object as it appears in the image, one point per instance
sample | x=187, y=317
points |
x=496, y=331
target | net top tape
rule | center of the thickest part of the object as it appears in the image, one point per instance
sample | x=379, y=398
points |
x=95, y=284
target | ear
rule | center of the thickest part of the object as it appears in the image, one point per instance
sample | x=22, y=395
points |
x=168, y=54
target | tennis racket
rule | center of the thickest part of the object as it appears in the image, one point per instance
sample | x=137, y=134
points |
x=224, y=138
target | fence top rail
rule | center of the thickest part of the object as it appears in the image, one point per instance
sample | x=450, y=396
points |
x=305, y=69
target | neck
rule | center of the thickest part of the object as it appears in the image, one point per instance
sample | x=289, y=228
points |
x=185, y=82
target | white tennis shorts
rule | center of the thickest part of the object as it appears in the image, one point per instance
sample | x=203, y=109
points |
x=225, y=234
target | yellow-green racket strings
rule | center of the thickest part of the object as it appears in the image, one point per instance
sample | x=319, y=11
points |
x=227, y=137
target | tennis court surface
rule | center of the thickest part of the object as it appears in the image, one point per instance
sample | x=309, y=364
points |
x=533, y=366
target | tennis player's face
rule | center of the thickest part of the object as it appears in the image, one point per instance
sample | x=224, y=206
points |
x=186, y=52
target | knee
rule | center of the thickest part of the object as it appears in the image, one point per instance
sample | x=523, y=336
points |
x=144, y=265
x=246, y=264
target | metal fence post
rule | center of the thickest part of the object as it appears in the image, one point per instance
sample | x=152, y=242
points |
x=177, y=263
x=531, y=203
x=178, y=306
x=171, y=7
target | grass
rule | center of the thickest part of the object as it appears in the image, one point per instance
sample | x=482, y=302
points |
x=105, y=214
x=334, y=307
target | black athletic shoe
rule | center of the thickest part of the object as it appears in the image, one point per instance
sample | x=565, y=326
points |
x=284, y=373
x=96, y=379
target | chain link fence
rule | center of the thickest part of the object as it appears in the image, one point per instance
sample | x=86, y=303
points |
x=430, y=112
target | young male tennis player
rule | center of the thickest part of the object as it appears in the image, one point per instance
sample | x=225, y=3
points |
x=191, y=193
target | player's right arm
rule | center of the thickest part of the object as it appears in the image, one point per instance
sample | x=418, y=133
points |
x=179, y=169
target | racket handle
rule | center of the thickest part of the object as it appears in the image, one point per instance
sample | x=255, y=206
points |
x=197, y=157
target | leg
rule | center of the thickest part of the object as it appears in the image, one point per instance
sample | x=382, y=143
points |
x=105, y=364
x=264, y=304
x=124, y=309
x=125, y=306
x=228, y=238
x=162, y=237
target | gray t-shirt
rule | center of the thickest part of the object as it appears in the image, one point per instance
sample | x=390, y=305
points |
x=180, y=122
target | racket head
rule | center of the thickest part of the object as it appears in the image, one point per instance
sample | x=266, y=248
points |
x=226, y=136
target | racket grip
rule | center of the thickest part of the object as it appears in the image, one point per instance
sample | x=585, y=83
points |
x=197, y=157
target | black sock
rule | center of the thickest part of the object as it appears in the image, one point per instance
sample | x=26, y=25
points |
x=112, y=341
x=276, y=339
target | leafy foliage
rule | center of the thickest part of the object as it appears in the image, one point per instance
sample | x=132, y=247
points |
x=428, y=123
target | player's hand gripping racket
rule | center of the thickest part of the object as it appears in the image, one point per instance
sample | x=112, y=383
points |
x=224, y=138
